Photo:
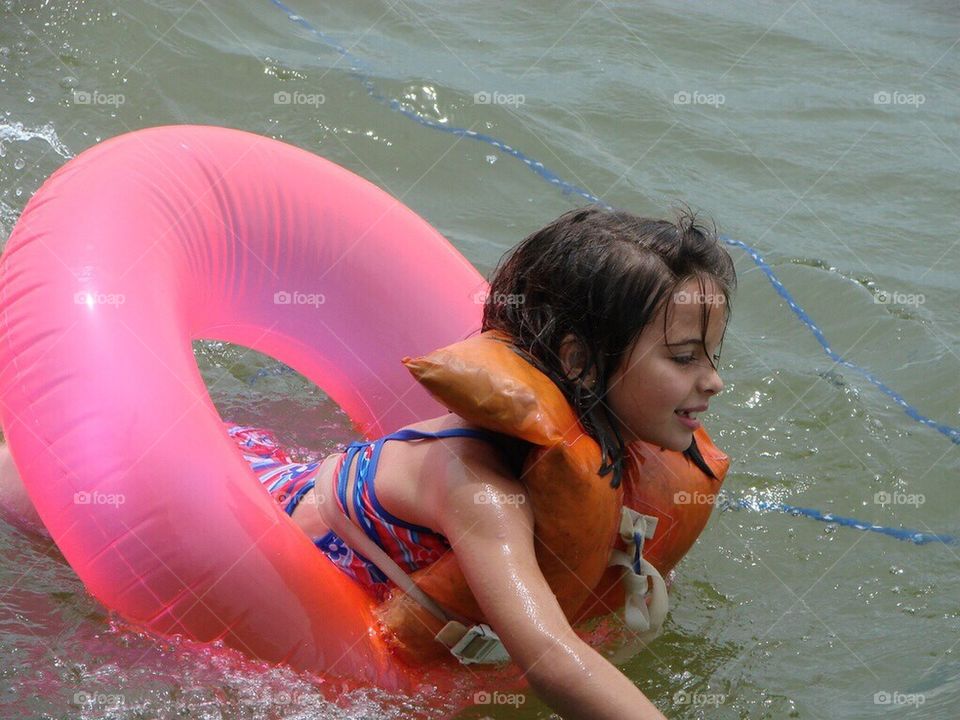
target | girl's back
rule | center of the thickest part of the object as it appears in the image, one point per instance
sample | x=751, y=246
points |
x=412, y=477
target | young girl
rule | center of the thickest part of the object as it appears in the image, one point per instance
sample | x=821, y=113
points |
x=626, y=315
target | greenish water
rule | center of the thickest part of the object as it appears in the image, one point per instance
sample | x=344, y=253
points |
x=823, y=134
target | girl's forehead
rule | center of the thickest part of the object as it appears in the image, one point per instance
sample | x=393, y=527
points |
x=687, y=314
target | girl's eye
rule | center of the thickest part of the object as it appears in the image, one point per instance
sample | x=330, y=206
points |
x=691, y=359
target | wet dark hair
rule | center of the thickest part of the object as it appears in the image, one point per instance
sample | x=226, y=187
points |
x=602, y=276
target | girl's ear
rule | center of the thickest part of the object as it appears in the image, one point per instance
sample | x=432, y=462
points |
x=573, y=358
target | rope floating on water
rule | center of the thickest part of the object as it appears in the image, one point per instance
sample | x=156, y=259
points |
x=915, y=536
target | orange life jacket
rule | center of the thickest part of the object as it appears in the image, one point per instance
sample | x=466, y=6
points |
x=668, y=486
x=576, y=511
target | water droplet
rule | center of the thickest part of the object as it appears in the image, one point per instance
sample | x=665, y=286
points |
x=31, y=98
x=491, y=159
x=19, y=164
x=894, y=570
x=68, y=82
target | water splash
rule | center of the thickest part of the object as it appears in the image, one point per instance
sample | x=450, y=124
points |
x=18, y=132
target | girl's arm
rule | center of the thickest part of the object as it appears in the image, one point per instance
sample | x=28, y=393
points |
x=488, y=521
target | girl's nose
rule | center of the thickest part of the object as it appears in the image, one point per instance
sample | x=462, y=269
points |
x=711, y=382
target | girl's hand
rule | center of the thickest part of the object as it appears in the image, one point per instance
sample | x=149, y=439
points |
x=486, y=516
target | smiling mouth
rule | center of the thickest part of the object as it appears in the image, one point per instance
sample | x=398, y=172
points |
x=688, y=417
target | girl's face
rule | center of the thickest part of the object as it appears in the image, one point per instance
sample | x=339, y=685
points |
x=666, y=380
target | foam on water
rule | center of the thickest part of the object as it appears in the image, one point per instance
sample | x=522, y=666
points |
x=18, y=132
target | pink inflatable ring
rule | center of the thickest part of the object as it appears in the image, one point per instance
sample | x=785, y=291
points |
x=154, y=239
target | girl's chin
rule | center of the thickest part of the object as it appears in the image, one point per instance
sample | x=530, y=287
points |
x=676, y=443
x=679, y=441
x=676, y=438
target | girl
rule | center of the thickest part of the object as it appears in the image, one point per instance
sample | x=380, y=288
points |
x=626, y=315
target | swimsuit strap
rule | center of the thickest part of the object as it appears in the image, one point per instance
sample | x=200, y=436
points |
x=405, y=436
x=343, y=468
x=408, y=434
x=366, y=470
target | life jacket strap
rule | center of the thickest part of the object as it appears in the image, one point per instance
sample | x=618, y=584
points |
x=477, y=645
x=640, y=578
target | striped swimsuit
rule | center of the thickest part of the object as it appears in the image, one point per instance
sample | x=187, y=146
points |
x=410, y=546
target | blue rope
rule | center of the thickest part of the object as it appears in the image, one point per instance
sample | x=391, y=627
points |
x=951, y=432
x=914, y=536
x=363, y=71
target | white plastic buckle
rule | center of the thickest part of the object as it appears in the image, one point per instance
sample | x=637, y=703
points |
x=480, y=645
x=639, y=582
